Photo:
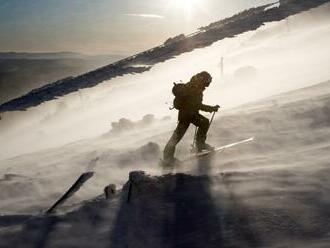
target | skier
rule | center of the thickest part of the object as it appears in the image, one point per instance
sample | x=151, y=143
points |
x=188, y=100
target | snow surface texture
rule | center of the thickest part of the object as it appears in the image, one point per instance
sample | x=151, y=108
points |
x=278, y=57
x=268, y=193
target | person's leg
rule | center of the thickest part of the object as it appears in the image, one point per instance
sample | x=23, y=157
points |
x=203, y=126
x=177, y=135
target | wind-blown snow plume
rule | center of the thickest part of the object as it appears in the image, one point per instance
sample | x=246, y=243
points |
x=281, y=56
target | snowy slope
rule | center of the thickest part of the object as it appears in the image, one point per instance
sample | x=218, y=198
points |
x=269, y=193
x=278, y=57
x=242, y=22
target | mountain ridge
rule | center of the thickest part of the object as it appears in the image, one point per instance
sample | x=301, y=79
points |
x=245, y=21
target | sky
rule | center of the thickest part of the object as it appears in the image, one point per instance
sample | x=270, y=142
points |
x=122, y=27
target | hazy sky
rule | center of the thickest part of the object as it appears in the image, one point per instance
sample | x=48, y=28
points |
x=105, y=26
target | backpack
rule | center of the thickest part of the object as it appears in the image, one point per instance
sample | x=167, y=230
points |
x=180, y=92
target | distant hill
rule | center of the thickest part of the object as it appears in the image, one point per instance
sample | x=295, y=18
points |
x=23, y=72
x=57, y=55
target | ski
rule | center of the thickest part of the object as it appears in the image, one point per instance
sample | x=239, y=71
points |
x=83, y=178
x=217, y=149
x=73, y=189
x=204, y=153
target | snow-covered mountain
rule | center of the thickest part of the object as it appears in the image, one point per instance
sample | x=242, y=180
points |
x=277, y=57
x=269, y=193
x=272, y=83
x=245, y=21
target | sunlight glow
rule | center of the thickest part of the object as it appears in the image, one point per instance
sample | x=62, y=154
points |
x=187, y=6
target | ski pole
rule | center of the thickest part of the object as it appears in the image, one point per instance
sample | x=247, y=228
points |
x=212, y=118
x=195, y=136
x=194, y=141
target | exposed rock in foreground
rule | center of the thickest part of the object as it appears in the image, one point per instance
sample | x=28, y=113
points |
x=230, y=209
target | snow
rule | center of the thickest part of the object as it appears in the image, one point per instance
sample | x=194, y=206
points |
x=268, y=193
x=283, y=56
x=275, y=5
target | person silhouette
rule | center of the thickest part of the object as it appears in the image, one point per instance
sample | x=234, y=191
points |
x=189, y=101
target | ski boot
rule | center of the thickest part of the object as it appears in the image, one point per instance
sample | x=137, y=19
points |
x=205, y=148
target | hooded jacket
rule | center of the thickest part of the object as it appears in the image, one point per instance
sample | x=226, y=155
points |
x=193, y=102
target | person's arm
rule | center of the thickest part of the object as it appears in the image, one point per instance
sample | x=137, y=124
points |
x=207, y=108
x=204, y=107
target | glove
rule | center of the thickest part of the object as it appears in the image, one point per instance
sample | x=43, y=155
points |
x=215, y=108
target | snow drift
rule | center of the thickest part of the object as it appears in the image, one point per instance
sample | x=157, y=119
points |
x=269, y=193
